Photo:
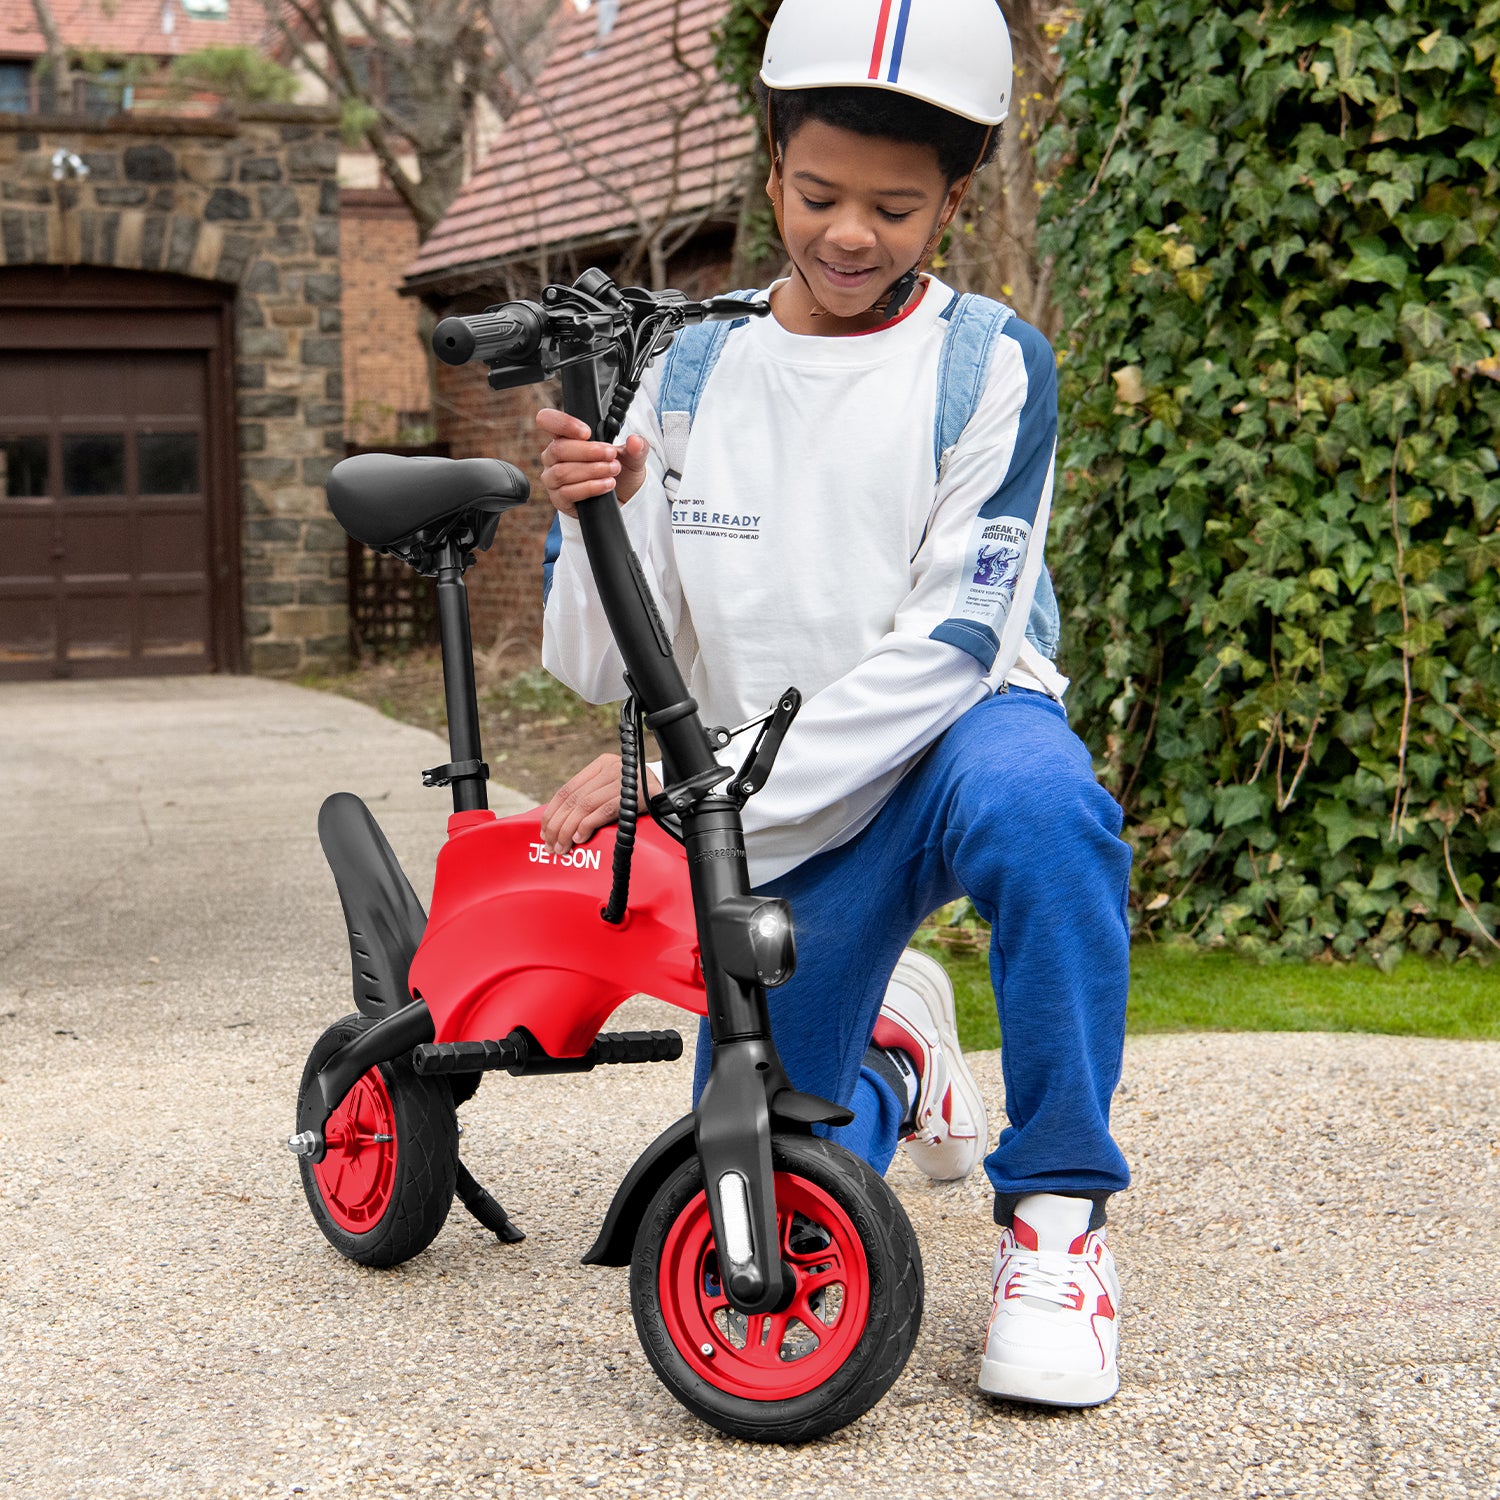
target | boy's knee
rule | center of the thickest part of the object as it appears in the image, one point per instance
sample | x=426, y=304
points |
x=1029, y=800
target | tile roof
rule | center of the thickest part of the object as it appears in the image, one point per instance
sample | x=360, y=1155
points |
x=630, y=128
x=152, y=28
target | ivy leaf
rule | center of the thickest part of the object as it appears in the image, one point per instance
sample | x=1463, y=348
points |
x=1437, y=50
x=1392, y=195
x=1194, y=155
x=1425, y=322
x=1371, y=263
x=1427, y=379
x=1483, y=151
x=1346, y=47
x=1343, y=825
x=1234, y=805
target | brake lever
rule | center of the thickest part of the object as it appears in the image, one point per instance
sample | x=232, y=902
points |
x=752, y=776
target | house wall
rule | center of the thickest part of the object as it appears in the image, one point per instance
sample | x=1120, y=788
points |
x=386, y=394
x=252, y=203
x=505, y=585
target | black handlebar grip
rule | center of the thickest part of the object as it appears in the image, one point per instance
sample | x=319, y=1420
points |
x=512, y=332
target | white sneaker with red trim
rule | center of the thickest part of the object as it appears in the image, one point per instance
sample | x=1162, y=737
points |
x=917, y=1017
x=1055, y=1319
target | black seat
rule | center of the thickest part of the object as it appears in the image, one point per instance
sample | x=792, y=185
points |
x=382, y=498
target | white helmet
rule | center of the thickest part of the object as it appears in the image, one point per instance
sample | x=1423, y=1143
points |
x=952, y=53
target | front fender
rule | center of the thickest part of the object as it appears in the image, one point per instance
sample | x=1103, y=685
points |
x=633, y=1197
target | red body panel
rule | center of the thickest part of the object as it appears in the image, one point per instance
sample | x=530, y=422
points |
x=514, y=937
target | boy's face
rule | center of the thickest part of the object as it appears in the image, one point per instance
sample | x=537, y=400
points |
x=857, y=212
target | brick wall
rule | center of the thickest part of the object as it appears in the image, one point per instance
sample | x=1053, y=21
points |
x=505, y=586
x=386, y=393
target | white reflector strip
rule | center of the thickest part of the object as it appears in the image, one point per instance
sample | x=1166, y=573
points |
x=734, y=1209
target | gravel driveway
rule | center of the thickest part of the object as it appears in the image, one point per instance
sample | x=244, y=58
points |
x=1309, y=1255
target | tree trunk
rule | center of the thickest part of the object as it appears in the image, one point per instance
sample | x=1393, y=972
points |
x=758, y=255
x=57, y=58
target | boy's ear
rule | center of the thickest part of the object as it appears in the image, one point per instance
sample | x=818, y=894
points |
x=950, y=204
x=773, y=182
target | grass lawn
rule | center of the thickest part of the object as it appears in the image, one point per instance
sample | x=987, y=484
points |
x=1175, y=989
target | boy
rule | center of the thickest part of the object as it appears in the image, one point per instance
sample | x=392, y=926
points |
x=793, y=533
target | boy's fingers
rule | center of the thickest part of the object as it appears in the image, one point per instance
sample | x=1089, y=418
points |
x=569, y=495
x=572, y=450
x=557, y=475
x=578, y=801
x=558, y=800
x=583, y=805
x=559, y=424
x=590, y=812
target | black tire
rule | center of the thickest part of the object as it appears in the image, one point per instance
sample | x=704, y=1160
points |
x=464, y=1086
x=383, y=1199
x=678, y=1302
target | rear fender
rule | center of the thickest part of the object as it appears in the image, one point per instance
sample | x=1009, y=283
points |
x=340, y=1067
x=384, y=917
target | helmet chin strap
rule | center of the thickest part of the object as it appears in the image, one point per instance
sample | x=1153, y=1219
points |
x=898, y=294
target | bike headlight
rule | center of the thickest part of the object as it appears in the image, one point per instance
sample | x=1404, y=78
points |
x=753, y=939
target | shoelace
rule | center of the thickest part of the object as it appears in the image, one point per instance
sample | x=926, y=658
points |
x=1028, y=1278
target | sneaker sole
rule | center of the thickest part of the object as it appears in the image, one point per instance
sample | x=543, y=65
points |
x=1016, y=1383
x=937, y=990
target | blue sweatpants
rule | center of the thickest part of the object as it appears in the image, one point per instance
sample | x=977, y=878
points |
x=1004, y=809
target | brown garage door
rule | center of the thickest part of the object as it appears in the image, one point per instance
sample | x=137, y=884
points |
x=108, y=457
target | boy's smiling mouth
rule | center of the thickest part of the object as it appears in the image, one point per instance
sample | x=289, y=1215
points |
x=845, y=276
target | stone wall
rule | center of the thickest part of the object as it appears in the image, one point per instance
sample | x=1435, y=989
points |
x=252, y=202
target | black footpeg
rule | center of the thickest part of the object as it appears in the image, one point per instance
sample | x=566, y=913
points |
x=518, y=1054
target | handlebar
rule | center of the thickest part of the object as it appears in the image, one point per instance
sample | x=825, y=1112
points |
x=512, y=332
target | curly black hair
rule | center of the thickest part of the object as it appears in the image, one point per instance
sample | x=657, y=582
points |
x=885, y=114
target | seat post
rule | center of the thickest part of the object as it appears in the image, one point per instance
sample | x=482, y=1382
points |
x=458, y=676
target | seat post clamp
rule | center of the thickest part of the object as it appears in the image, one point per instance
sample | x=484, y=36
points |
x=459, y=770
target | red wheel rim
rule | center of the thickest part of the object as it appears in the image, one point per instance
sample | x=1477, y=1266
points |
x=769, y=1356
x=358, y=1174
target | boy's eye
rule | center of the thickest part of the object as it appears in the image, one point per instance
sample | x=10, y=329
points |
x=891, y=216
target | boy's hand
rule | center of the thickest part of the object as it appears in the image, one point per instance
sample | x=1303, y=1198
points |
x=582, y=806
x=576, y=468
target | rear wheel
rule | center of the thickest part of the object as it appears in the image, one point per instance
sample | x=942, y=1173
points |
x=843, y=1338
x=385, y=1184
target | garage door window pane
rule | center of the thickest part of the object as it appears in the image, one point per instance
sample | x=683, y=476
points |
x=23, y=466
x=169, y=462
x=94, y=464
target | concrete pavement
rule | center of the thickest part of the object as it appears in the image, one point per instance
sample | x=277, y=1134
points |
x=1311, y=1300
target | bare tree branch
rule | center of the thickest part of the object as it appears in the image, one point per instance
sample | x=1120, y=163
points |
x=408, y=72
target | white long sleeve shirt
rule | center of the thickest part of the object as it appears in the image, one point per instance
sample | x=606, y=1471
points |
x=807, y=544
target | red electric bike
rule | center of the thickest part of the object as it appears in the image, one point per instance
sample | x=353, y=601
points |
x=775, y=1280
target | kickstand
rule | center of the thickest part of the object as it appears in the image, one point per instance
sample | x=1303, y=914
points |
x=486, y=1209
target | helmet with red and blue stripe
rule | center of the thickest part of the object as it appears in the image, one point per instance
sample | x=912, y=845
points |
x=954, y=54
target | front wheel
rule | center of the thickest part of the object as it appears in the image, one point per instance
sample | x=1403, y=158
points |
x=840, y=1343
x=385, y=1184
